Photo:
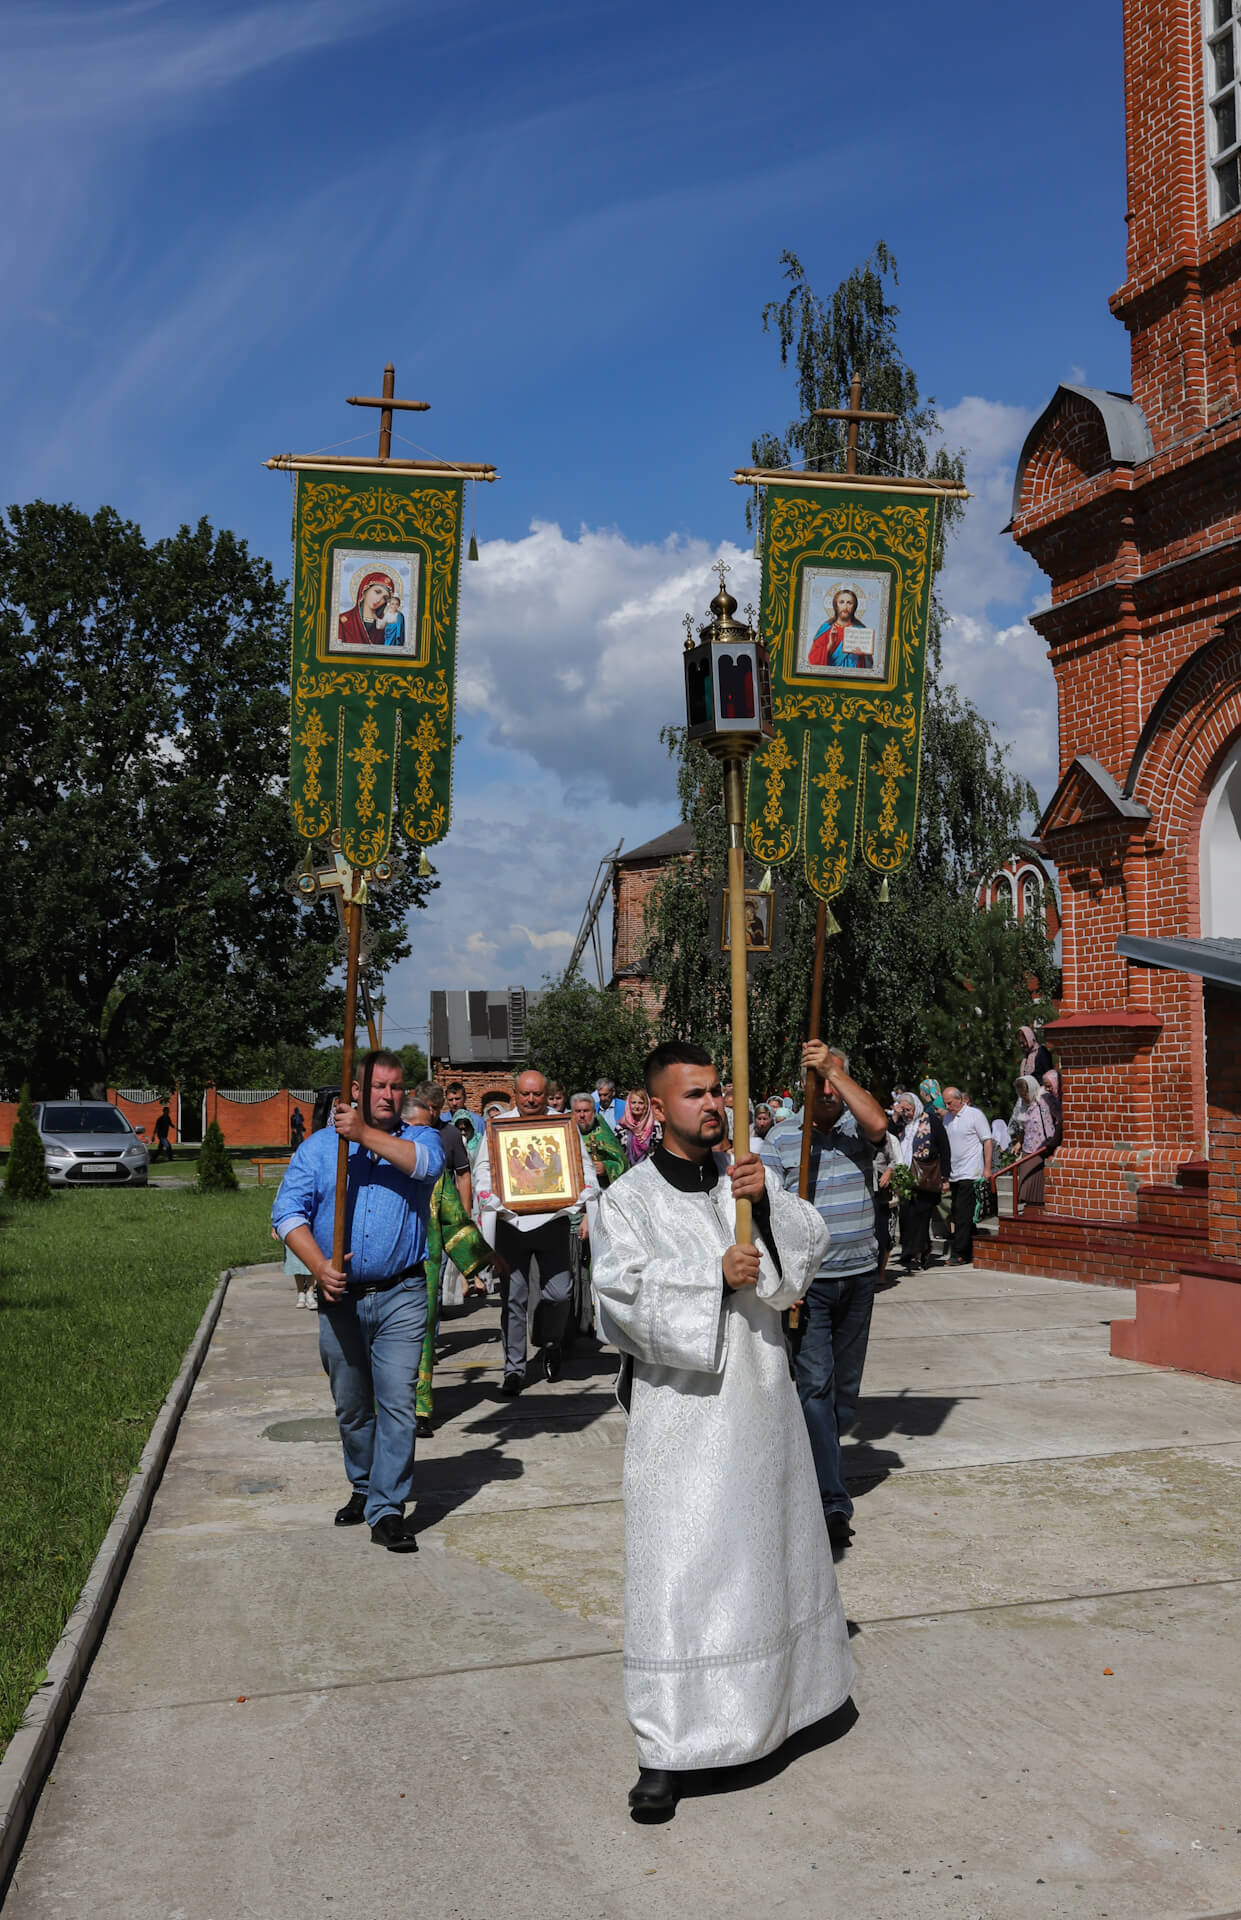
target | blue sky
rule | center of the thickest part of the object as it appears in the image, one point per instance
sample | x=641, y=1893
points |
x=561, y=223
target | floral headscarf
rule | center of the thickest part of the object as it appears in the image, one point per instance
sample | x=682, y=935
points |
x=638, y=1133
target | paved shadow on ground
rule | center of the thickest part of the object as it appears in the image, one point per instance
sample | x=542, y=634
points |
x=443, y=1485
x=916, y=1415
x=707, y=1781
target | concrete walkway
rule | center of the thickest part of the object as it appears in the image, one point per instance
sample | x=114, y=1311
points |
x=1045, y=1583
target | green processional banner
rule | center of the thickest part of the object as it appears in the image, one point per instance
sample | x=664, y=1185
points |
x=375, y=580
x=845, y=605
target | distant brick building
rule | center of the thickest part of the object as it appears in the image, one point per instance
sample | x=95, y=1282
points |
x=479, y=1037
x=1026, y=886
x=634, y=877
x=1132, y=506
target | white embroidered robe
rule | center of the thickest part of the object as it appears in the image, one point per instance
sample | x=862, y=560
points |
x=735, y=1635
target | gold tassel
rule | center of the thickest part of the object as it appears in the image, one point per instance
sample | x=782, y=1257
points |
x=425, y=869
x=833, y=924
x=884, y=896
x=764, y=885
x=472, y=550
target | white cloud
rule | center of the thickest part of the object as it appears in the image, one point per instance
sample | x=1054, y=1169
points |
x=571, y=648
x=988, y=586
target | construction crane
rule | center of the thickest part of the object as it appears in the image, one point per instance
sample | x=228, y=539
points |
x=589, y=929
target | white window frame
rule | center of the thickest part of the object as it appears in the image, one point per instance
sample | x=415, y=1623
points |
x=1214, y=32
x=1031, y=882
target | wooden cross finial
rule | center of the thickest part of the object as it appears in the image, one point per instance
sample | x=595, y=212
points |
x=386, y=403
x=854, y=413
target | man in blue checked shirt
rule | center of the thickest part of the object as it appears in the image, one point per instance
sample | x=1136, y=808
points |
x=829, y=1346
x=372, y=1315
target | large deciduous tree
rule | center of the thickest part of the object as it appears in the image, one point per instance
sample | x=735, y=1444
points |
x=893, y=961
x=144, y=831
x=576, y=1032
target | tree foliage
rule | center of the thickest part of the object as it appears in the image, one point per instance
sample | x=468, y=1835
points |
x=575, y=1033
x=26, y=1175
x=144, y=823
x=214, y=1168
x=972, y=1028
x=892, y=962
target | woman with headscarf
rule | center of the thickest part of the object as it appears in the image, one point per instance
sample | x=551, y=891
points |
x=1050, y=1082
x=1037, y=1135
x=1035, y=1057
x=924, y=1150
x=638, y=1129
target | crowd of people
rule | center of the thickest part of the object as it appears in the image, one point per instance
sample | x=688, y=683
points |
x=615, y=1220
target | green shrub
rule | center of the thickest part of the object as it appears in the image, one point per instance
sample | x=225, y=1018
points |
x=215, y=1171
x=27, y=1175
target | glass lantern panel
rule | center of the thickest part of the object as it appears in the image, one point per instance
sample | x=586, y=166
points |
x=735, y=677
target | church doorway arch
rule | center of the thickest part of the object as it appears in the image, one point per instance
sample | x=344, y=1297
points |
x=1219, y=853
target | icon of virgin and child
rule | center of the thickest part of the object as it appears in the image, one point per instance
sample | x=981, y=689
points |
x=370, y=597
x=836, y=637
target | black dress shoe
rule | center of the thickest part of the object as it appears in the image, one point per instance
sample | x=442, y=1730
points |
x=511, y=1385
x=839, y=1527
x=655, y=1791
x=423, y=1430
x=353, y=1513
x=553, y=1361
x=392, y=1532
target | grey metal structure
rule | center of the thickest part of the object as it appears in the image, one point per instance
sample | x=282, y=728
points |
x=589, y=929
x=480, y=1028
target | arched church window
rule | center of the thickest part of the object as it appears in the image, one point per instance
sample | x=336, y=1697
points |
x=1219, y=854
x=1223, y=104
x=1031, y=897
x=1003, y=894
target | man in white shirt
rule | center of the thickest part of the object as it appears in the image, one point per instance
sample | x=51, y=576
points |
x=969, y=1138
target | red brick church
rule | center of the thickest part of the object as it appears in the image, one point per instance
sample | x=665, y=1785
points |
x=1131, y=504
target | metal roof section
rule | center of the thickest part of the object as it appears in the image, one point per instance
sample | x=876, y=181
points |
x=1084, y=765
x=1217, y=960
x=1128, y=436
x=678, y=839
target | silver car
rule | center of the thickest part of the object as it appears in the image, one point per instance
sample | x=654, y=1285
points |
x=90, y=1143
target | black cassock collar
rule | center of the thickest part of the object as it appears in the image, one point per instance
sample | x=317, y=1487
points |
x=687, y=1176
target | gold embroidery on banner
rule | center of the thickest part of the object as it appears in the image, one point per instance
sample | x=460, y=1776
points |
x=833, y=785
x=311, y=813
x=377, y=516
x=367, y=758
x=891, y=770
x=778, y=841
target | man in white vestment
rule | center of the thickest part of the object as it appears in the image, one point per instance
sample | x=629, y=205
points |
x=735, y=1637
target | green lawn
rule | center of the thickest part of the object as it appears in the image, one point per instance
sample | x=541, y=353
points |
x=100, y=1294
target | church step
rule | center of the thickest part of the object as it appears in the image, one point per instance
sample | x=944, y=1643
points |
x=1193, y=1323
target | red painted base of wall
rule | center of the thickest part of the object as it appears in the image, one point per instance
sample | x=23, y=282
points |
x=1193, y=1323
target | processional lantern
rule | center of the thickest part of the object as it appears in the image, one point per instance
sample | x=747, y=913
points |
x=728, y=711
x=727, y=682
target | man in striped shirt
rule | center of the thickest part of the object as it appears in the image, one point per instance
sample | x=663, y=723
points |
x=830, y=1343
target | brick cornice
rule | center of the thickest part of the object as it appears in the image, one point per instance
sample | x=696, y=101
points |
x=1138, y=1020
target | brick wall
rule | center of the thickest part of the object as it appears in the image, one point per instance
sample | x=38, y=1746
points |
x=1223, y=1074
x=1144, y=636
x=478, y=1084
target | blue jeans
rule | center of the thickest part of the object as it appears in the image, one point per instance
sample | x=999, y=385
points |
x=370, y=1345
x=827, y=1365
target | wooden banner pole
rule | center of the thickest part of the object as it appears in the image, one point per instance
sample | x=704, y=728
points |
x=734, y=813
x=353, y=921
